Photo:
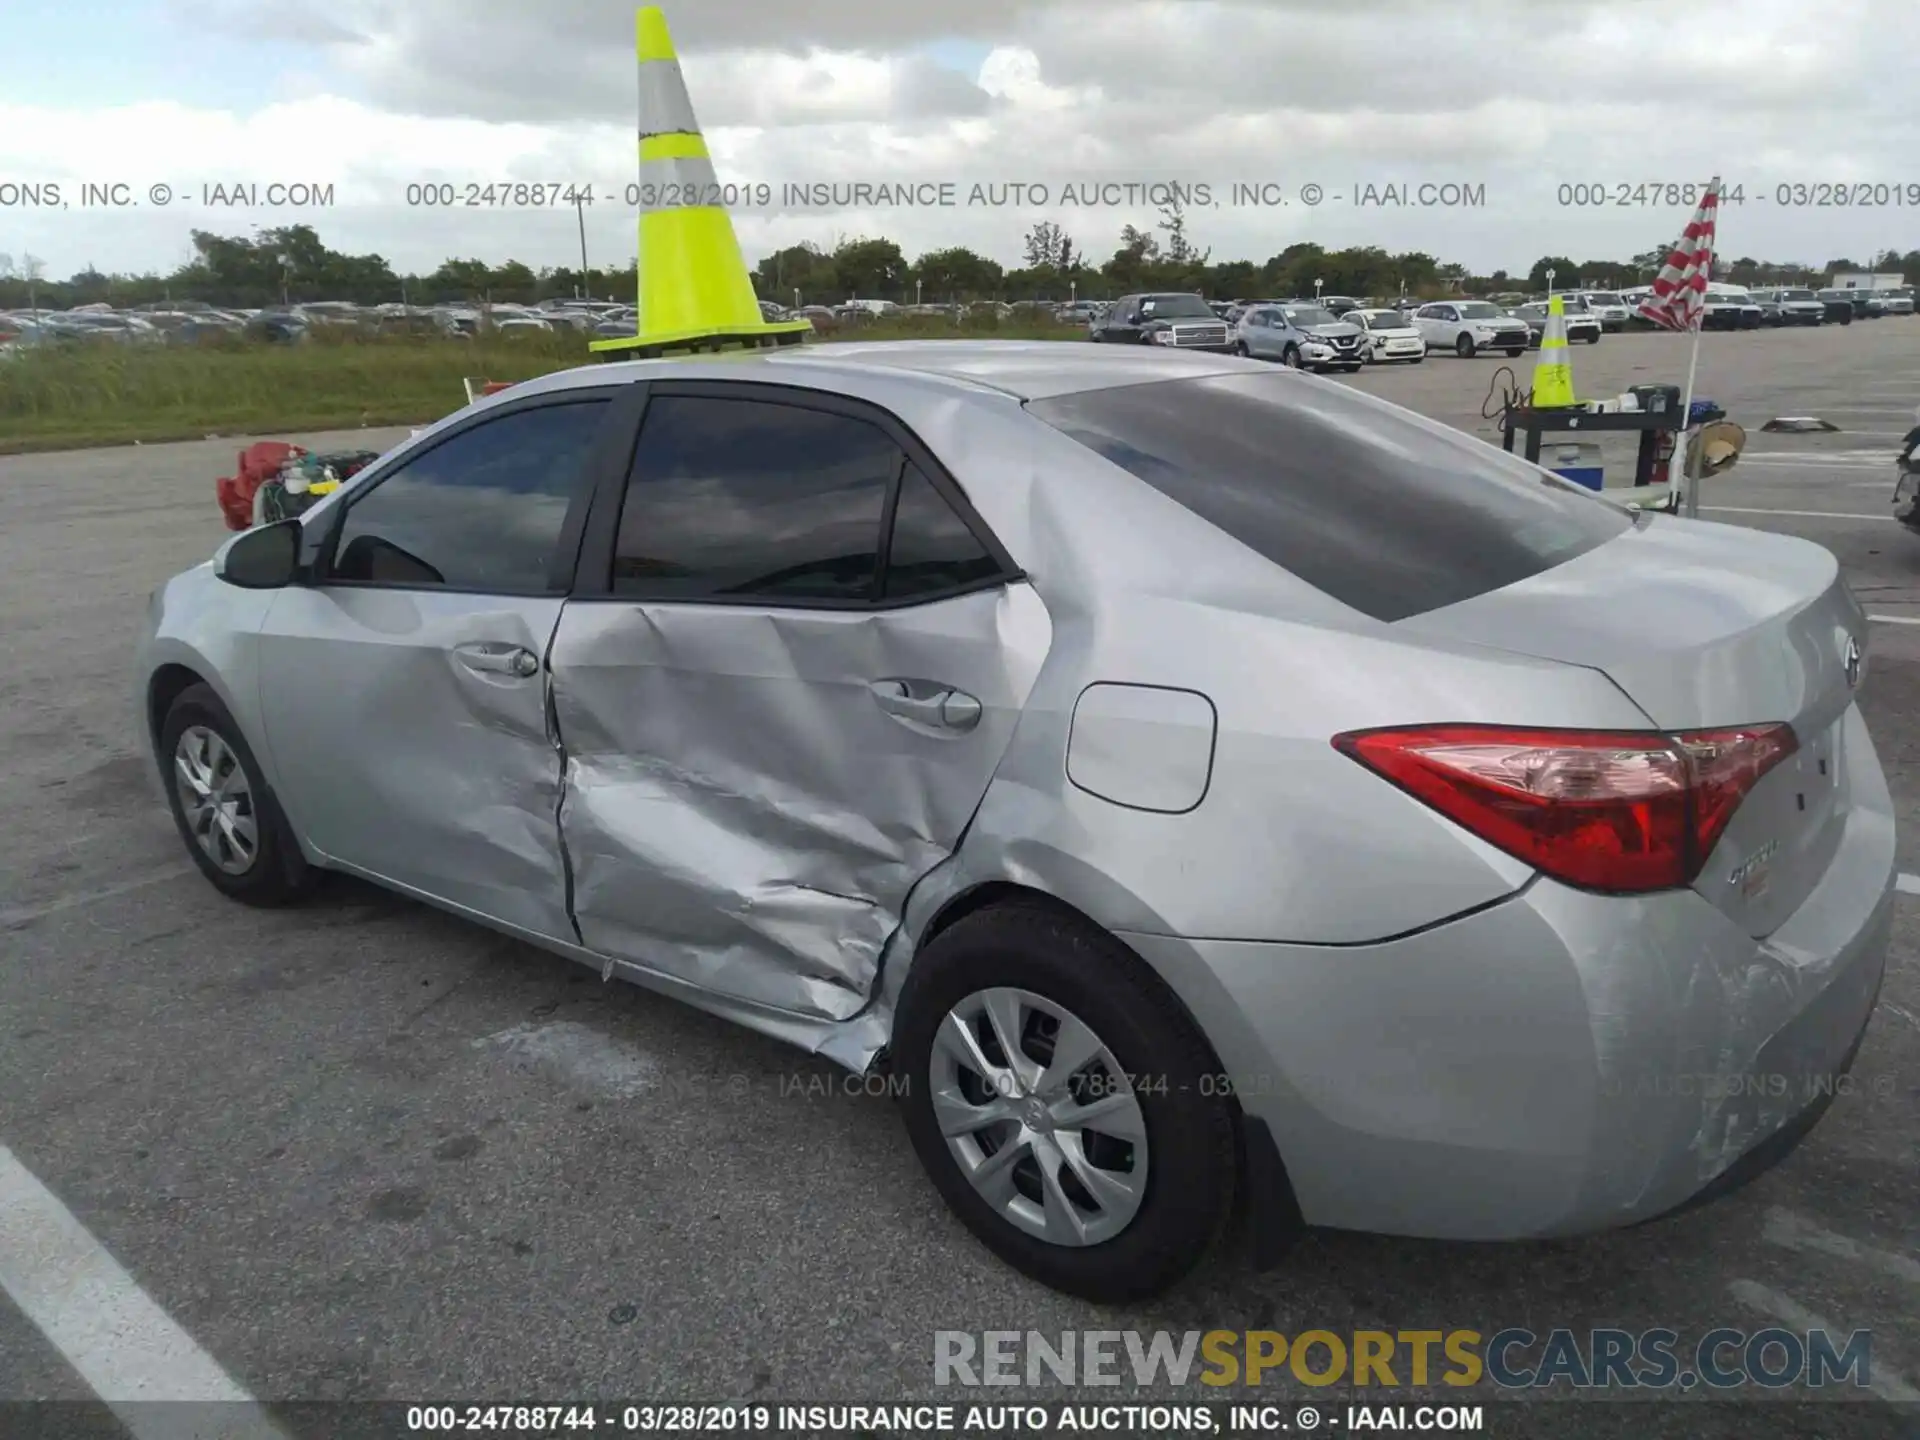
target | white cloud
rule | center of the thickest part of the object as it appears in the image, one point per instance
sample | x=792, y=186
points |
x=1515, y=97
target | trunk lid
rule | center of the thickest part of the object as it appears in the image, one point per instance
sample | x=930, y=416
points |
x=1707, y=627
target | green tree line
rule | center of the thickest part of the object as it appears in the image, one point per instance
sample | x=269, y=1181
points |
x=292, y=265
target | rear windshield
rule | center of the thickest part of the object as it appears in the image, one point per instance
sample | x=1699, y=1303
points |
x=1382, y=509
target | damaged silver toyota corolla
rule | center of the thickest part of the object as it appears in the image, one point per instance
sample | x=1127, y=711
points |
x=1210, y=789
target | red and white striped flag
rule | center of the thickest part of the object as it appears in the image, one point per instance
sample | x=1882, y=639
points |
x=1679, y=295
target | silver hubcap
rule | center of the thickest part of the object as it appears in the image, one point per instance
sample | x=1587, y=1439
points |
x=216, y=799
x=1039, y=1116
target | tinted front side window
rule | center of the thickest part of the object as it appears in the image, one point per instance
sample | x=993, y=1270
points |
x=932, y=550
x=753, y=498
x=482, y=511
x=1382, y=509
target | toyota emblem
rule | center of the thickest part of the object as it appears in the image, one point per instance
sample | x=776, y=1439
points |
x=1853, y=664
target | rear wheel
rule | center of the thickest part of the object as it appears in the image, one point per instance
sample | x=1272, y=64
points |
x=1241, y=349
x=1464, y=347
x=1064, y=1105
x=226, y=816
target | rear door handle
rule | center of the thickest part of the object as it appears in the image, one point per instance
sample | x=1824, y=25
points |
x=928, y=703
x=499, y=660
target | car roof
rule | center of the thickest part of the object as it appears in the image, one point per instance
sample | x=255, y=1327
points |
x=1024, y=369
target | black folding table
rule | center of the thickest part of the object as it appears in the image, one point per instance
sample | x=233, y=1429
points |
x=1536, y=424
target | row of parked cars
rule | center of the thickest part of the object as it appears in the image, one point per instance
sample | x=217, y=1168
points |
x=1341, y=332
x=189, y=321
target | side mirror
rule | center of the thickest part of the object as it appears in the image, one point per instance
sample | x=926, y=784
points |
x=266, y=558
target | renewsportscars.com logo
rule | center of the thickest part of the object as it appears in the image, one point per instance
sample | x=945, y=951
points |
x=1514, y=1359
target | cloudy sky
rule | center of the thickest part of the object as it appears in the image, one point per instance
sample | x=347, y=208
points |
x=1514, y=97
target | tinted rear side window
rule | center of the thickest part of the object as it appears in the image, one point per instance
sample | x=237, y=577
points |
x=933, y=549
x=1385, y=511
x=744, y=497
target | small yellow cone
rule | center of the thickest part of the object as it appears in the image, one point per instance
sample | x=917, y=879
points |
x=1553, y=373
x=695, y=293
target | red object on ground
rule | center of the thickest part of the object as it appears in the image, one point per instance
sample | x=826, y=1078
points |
x=258, y=463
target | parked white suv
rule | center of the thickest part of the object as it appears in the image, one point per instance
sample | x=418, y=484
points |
x=1608, y=307
x=1467, y=327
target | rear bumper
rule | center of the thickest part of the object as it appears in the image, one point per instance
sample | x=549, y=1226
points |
x=1555, y=1064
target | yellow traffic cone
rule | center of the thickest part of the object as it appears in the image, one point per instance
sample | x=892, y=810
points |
x=694, y=290
x=1553, y=373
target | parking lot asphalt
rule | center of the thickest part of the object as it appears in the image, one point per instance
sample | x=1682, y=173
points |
x=362, y=1150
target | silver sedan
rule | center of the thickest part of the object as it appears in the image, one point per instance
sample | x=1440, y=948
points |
x=1199, y=786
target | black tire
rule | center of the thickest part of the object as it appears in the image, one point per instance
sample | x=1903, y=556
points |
x=1350, y=369
x=278, y=872
x=1192, y=1140
x=1241, y=349
x=1464, y=347
x=1515, y=354
x=1416, y=359
x=1290, y=357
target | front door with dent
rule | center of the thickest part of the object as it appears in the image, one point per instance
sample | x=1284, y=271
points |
x=406, y=691
x=783, y=709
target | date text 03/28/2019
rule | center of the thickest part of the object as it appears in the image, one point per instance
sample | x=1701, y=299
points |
x=1786, y=194
x=1013, y=1419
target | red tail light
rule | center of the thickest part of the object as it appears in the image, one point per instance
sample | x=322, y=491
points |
x=1613, y=810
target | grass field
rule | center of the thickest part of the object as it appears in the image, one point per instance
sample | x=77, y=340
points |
x=67, y=397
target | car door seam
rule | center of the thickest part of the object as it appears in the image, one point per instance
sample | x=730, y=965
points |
x=550, y=703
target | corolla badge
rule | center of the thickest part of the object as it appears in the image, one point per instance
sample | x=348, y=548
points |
x=1750, y=876
x=1853, y=664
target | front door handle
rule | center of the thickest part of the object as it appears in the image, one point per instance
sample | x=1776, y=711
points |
x=928, y=703
x=499, y=660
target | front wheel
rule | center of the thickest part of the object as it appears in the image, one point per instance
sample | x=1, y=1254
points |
x=1290, y=357
x=1241, y=349
x=1515, y=354
x=1064, y=1106
x=221, y=806
x=1464, y=347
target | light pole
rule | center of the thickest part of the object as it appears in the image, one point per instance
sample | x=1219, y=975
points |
x=916, y=293
x=796, y=297
x=580, y=213
x=1073, y=292
x=1316, y=288
x=1549, y=284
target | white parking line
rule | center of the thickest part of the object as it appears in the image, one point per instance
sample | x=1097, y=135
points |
x=122, y=1344
x=18, y=915
x=1887, y=1383
x=1795, y=1232
x=1895, y=619
x=579, y=1056
x=1907, y=884
x=1797, y=514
